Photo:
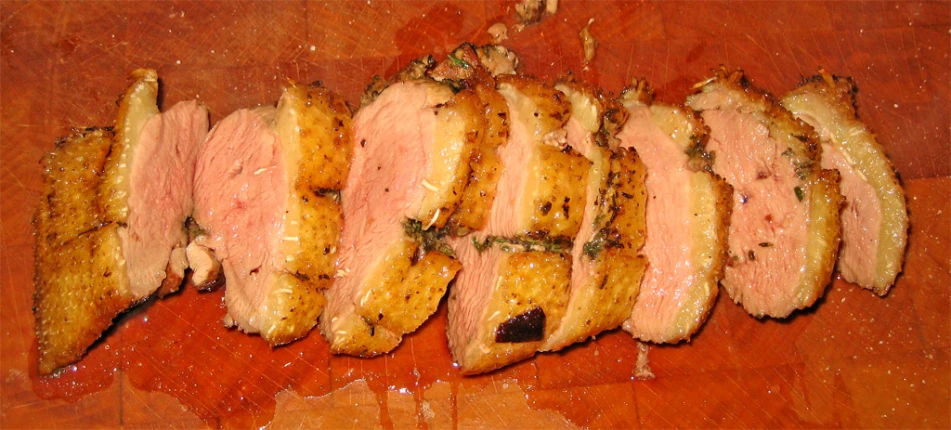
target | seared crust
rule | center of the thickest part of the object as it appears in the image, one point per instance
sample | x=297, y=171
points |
x=828, y=103
x=558, y=173
x=816, y=186
x=80, y=278
x=404, y=295
x=71, y=177
x=81, y=286
x=315, y=132
x=526, y=281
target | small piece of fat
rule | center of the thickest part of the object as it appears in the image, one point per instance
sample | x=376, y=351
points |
x=499, y=32
x=588, y=43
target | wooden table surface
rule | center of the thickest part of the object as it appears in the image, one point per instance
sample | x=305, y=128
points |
x=856, y=360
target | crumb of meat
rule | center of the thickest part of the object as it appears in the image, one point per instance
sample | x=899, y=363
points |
x=588, y=43
x=529, y=12
x=499, y=32
x=642, y=369
x=498, y=60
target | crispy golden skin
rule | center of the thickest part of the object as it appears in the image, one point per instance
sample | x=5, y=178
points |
x=71, y=177
x=557, y=173
x=407, y=292
x=80, y=278
x=315, y=132
x=526, y=281
x=828, y=103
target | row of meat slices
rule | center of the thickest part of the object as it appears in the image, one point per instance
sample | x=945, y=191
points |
x=549, y=213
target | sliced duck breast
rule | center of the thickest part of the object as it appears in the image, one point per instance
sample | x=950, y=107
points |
x=606, y=261
x=411, y=148
x=688, y=209
x=266, y=203
x=513, y=289
x=874, y=219
x=111, y=223
x=784, y=227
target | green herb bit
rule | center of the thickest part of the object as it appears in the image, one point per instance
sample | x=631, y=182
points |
x=799, y=193
x=458, y=62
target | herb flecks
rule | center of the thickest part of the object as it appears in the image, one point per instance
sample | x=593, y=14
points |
x=538, y=243
x=799, y=193
x=458, y=62
x=428, y=239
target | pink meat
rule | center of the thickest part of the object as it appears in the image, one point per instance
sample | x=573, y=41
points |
x=861, y=219
x=469, y=297
x=582, y=268
x=384, y=186
x=768, y=227
x=240, y=199
x=160, y=196
x=517, y=153
x=670, y=275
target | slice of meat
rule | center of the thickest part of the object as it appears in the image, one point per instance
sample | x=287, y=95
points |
x=266, y=199
x=688, y=210
x=147, y=185
x=607, y=265
x=410, y=166
x=874, y=219
x=464, y=69
x=784, y=228
x=110, y=225
x=513, y=289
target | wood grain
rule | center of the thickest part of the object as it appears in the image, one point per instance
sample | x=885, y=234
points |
x=854, y=361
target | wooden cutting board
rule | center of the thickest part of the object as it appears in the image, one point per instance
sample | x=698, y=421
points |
x=856, y=360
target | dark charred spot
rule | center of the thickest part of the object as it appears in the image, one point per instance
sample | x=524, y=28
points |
x=751, y=255
x=326, y=250
x=363, y=143
x=565, y=207
x=536, y=114
x=545, y=208
x=527, y=327
x=762, y=175
x=323, y=276
x=744, y=198
x=386, y=190
x=567, y=149
x=769, y=218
